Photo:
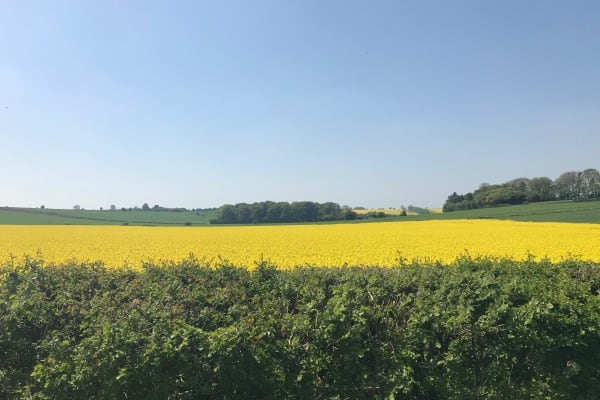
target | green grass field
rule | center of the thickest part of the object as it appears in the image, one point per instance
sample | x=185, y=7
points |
x=36, y=216
x=564, y=211
x=555, y=211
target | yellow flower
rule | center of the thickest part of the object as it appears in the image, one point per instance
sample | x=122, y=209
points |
x=380, y=243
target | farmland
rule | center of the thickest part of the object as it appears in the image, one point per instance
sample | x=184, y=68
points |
x=402, y=307
x=558, y=211
x=382, y=243
x=553, y=211
x=289, y=200
x=37, y=216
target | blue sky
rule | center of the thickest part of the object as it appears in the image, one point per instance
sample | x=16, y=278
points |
x=364, y=103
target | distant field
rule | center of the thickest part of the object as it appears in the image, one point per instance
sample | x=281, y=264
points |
x=36, y=216
x=389, y=211
x=555, y=211
x=393, y=211
x=564, y=211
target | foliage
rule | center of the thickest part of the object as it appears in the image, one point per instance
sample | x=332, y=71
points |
x=417, y=210
x=480, y=328
x=571, y=185
x=278, y=212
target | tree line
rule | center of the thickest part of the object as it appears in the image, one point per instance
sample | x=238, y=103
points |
x=571, y=185
x=278, y=212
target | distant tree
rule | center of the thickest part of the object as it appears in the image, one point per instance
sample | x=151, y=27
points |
x=521, y=184
x=76, y=207
x=101, y=209
x=571, y=185
x=568, y=185
x=277, y=212
x=113, y=207
x=418, y=210
x=145, y=207
x=329, y=211
x=285, y=210
x=227, y=214
x=259, y=213
x=274, y=211
x=590, y=183
x=498, y=195
x=350, y=215
x=42, y=206
x=454, y=202
x=156, y=207
x=306, y=211
x=243, y=213
x=541, y=189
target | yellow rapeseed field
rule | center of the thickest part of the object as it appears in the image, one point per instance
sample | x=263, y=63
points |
x=287, y=246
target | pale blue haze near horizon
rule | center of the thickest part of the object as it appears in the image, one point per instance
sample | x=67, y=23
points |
x=364, y=103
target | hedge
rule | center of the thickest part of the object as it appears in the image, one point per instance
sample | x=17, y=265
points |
x=477, y=329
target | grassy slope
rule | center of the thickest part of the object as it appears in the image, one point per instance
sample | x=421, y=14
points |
x=566, y=211
x=555, y=211
x=588, y=212
x=33, y=216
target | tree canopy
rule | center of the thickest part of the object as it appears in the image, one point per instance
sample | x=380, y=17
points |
x=571, y=185
x=278, y=212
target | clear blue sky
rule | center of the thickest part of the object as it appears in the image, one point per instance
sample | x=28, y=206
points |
x=364, y=103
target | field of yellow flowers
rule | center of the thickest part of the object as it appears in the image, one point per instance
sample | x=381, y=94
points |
x=382, y=243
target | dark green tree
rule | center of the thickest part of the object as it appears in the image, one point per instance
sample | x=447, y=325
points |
x=227, y=214
x=541, y=189
x=568, y=185
x=590, y=183
x=305, y=211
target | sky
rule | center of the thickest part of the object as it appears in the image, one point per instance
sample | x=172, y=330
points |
x=364, y=103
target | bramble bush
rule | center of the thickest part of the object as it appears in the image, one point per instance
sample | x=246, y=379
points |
x=480, y=328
